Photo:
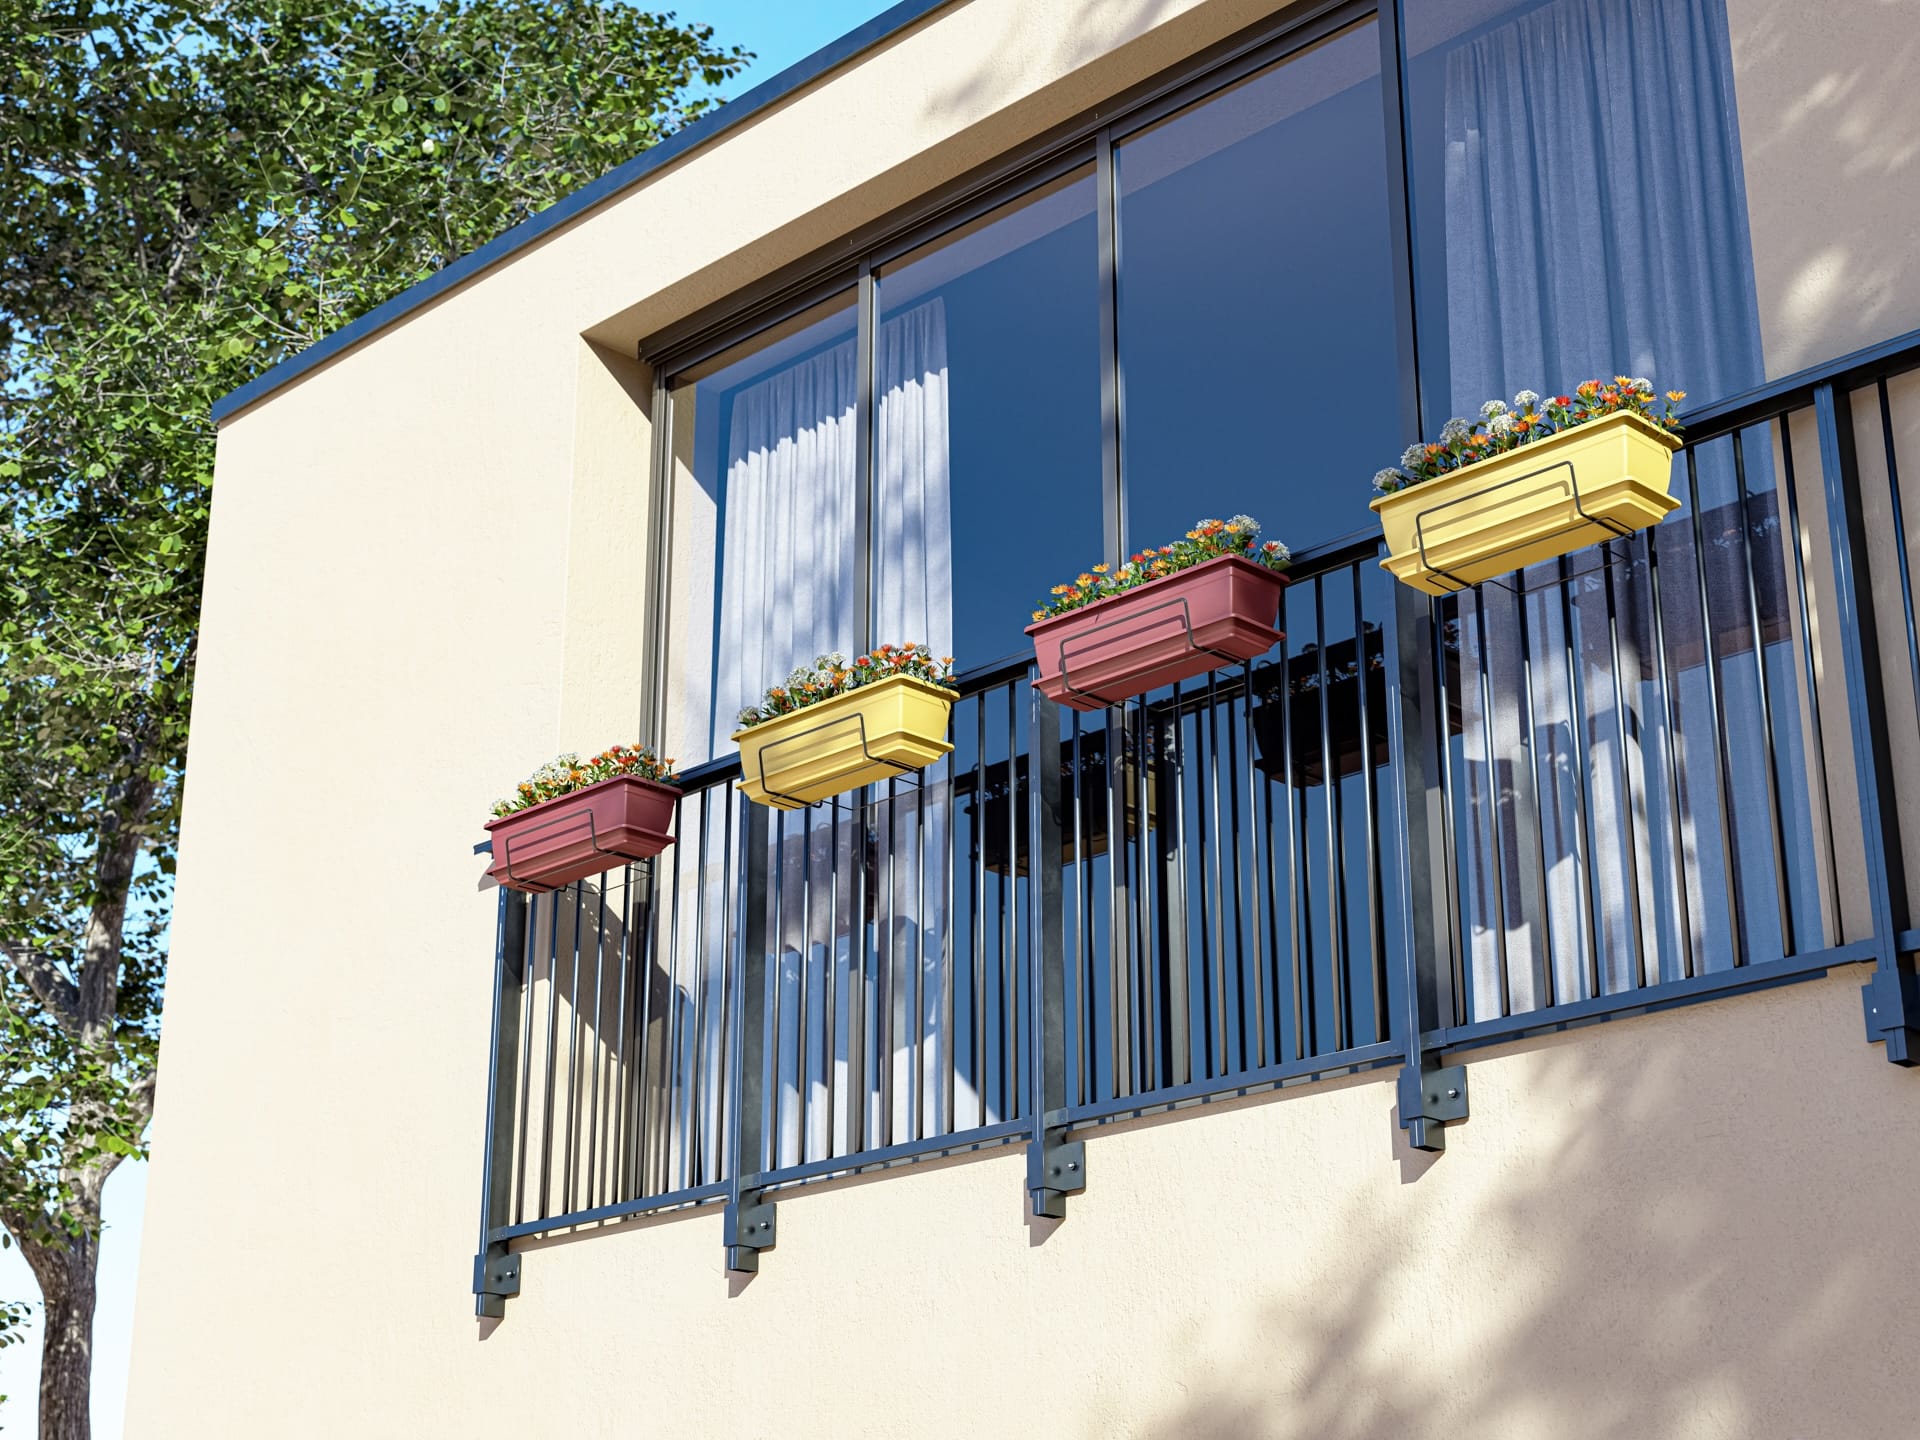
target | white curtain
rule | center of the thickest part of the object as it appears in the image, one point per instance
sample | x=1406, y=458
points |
x=1595, y=222
x=787, y=594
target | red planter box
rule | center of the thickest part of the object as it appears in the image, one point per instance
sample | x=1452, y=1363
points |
x=1219, y=613
x=559, y=841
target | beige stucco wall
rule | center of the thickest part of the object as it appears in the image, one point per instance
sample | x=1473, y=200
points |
x=427, y=576
x=1830, y=128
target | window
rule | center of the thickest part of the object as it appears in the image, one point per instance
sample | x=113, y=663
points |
x=1256, y=301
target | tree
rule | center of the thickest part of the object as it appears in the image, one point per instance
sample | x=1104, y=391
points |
x=187, y=197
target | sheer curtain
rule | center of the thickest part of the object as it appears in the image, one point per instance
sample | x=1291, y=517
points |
x=1595, y=222
x=788, y=588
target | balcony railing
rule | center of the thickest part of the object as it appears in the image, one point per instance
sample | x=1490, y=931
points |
x=1628, y=779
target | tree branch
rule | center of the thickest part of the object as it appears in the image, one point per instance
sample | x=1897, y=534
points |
x=52, y=989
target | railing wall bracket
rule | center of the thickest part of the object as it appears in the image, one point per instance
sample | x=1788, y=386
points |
x=1056, y=1168
x=1891, y=1001
x=749, y=1229
x=1431, y=1099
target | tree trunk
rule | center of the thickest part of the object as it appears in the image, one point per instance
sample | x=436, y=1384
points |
x=68, y=1288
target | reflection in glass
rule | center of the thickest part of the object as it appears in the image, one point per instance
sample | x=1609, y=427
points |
x=1256, y=293
x=987, y=428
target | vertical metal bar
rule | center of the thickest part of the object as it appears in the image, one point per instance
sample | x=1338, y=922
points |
x=917, y=961
x=748, y=1053
x=593, y=1136
x=1376, y=940
x=979, y=906
x=1085, y=1071
x=1054, y=1168
x=496, y=1273
x=1809, y=674
x=804, y=1020
x=831, y=1018
x=1171, y=982
x=1585, y=833
x=553, y=1035
x=620, y=1172
x=1782, y=887
x=1246, y=970
x=1630, y=837
x=1535, y=906
x=525, y=1128
x=1340, y=968
x=1302, y=1017
x=1892, y=997
x=1497, y=856
x=1009, y=919
x=1722, y=775
x=569, y=1155
x=732, y=894
x=945, y=1031
x=692, y=1130
x=884, y=988
x=1143, y=998
x=857, y=982
x=1212, y=860
x=1433, y=846
x=647, y=1092
x=777, y=965
x=1670, y=742
x=1898, y=514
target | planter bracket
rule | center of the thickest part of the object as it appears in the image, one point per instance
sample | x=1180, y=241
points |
x=1598, y=522
x=857, y=719
x=1124, y=624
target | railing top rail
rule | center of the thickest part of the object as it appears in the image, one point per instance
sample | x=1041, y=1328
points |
x=1796, y=391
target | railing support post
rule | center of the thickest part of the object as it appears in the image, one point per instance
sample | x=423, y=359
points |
x=1891, y=1000
x=496, y=1269
x=748, y=1227
x=1056, y=1166
x=1430, y=1096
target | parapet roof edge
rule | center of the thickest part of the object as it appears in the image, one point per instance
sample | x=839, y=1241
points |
x=624, y=177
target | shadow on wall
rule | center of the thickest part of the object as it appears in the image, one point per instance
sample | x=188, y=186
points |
x=1830, y=130
x=1611, y=1249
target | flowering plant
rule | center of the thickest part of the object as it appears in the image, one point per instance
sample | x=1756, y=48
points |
x=1209, y=540
x=1531, y=418
x=569, y=773
x=832, y=674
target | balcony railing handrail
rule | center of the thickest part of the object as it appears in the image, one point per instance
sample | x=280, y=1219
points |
x=1205, y=876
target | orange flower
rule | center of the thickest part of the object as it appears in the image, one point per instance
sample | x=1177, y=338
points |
x=1676, y=396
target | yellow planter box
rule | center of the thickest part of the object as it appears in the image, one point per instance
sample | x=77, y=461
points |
x=873, y=733
x=1600, y=480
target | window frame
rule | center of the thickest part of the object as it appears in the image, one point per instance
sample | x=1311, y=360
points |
x=1088, y=138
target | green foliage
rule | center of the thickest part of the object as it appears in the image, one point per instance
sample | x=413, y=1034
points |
x=187, y=196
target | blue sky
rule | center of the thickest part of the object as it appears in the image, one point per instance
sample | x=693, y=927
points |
x=778, y=34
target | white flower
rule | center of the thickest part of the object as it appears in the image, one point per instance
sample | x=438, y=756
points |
x=1492, y=408
x=1413, y=455
x=1244, y=525
x=1525, y=401
x=1389, y=480
x=1455, y=431
x=1501, y=424
x=1646, y=385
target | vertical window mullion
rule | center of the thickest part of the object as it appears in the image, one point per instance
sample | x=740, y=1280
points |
x=1111, y=382
x=1400, y=214
x=653, y=698
x=865, y=419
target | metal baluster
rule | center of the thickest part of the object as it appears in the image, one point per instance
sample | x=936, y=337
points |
x=1782, y=887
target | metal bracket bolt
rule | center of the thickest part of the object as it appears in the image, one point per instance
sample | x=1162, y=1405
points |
x=1430, y=1100
x=749, y=1228
x=1055, y=1170
x=496, y=1276
x=1891, y=1001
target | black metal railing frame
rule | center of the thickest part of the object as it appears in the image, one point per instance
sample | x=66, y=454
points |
x=1051, y=978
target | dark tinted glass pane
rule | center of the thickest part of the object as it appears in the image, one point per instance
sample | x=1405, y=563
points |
x=987, y=427
x=1256, y=303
